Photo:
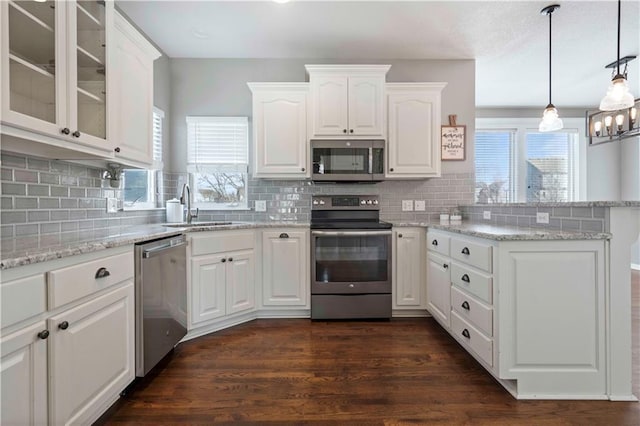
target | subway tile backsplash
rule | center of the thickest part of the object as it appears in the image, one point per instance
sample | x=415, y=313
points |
x=48, y=197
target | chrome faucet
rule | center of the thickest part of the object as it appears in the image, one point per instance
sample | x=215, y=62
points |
x=187, y=200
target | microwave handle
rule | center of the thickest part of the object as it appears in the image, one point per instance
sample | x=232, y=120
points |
x=370, y=160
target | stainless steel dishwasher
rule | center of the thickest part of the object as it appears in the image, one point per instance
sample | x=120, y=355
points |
x=161, y=299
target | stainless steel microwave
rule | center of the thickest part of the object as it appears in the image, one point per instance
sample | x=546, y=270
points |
x=347, y=160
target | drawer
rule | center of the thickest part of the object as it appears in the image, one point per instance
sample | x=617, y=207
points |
x=218, y=242
x=23, y=299
x=438, y=243
x=474, y=254
x=472, y=310
x=476, y=283
x=68, y=284
x=472, y=338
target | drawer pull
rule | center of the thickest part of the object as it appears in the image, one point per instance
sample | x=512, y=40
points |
x=465, y=305
x=102, y=273
x=231, y=259
x=43, y=334
x=445, y=266
x=434, y=242
x=63, y=325
x=465, y=278
x=284, y=235
x=465, y=250
x=466, y=334
x=223, y=260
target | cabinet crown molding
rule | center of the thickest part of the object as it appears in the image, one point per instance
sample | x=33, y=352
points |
x=127, y=28
x=341, y=69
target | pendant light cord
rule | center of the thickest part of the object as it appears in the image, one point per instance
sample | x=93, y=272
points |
x=618, y=62
x=550, y=13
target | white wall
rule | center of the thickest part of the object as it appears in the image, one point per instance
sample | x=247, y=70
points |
x=219, y=87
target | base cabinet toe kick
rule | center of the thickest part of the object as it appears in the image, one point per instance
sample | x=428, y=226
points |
x=532, y=313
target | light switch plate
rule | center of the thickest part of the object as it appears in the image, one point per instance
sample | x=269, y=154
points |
x=542, y=217
x=419, y=205
x=486, y=214
x=407, y=205
x=112, y=205
x=261, y=205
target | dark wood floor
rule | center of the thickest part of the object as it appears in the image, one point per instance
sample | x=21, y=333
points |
x=406, y=371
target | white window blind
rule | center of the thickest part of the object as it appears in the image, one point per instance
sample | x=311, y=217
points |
x=551, y=166
x=495, y=166
x=158, y=116
x=217, y=143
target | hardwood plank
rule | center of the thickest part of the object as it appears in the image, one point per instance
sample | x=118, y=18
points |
x=405, y=371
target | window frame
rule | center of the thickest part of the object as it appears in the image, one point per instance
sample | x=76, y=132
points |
x=522, y=126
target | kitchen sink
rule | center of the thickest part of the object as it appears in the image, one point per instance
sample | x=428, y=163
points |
x=192, y=224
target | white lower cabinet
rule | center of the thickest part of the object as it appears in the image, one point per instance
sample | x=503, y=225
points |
x=531, y=312
x=66, y=360
x=23, y=372
x=222, y=275
x=409, y=289
x=285, y=268
x=91, y=355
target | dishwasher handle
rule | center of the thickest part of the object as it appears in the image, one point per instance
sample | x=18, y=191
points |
x=146, y=254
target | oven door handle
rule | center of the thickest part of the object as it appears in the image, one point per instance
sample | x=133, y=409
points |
x=349, y=233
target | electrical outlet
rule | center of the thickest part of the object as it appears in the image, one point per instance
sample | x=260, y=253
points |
x=419, y=205
x=486, y=214
x=407, y=205
x=260, y=205
x=112, y=205
x=542, y=217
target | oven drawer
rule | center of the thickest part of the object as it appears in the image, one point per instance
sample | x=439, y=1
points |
x=356, y=287
x=438, y=243
x=474, y=254
x=333, y=306
x=472, y=338
x=472, y=282
x=472, y=310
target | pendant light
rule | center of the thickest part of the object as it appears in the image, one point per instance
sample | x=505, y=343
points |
x=550, y=120
x=618, y=95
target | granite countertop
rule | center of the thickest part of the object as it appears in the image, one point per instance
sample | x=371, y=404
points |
x=512, y=233
x=27, y=250
x=562, y=204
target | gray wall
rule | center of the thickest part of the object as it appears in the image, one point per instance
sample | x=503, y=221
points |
x=219, y=87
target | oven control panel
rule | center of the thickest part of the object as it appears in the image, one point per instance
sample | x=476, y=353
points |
x=345, y=202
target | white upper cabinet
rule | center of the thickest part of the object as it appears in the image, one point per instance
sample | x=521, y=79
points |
x=347, y=100
x=55, y=69
x=413, y=144
x=132, y=124
x=280, y=130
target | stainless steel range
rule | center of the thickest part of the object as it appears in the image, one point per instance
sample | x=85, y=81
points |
x=350, y=258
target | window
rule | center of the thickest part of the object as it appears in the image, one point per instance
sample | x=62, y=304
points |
x=519, y=164
x=140, y=186
x=217, y=160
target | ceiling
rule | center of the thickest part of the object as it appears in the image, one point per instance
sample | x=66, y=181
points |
x=508, y=39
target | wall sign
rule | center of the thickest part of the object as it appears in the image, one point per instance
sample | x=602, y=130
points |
x=452, y=141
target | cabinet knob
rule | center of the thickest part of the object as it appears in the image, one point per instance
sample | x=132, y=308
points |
x=434, y=242
x=231, y=259
x=63, y=325
x=351, y=131
x=399, y=235
x=284, y=235
x=76, y=134
x=117, y=149
x=465, y=305
x=344, y=130
x=43, y=334
x=65, y=131
x=303, y=169
x=466, y=334
x=391, y=169
x=465, y=250
x=445, y=266
x=102, y=273
x=465, y=278
x=223, y=260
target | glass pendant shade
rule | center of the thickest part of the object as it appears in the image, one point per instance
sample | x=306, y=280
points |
x=550, y=120
x=618, y=95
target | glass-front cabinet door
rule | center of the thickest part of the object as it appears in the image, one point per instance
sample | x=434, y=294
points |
x=33, y=81
x=54, y=68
